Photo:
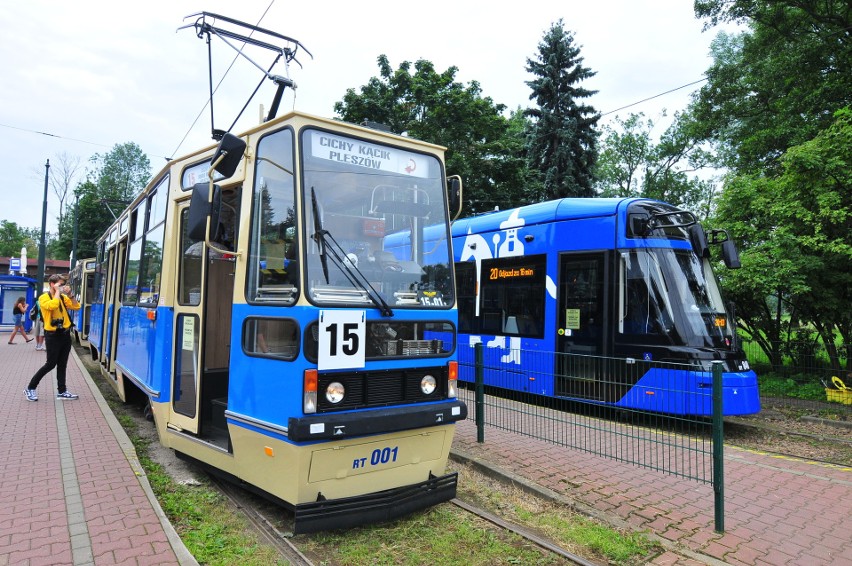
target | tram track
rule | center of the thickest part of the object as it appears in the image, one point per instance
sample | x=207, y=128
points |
x=247, y=505
x=272, y=535
x=523, y=532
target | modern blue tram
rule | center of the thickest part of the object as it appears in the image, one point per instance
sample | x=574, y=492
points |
x=246, y=293
x=611, y=301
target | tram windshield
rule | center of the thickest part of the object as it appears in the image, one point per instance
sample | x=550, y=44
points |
x=672, y=296
x=357, y=194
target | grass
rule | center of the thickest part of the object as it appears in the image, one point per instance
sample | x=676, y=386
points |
x=571, y=530
x=442, y=535
x=796, y=387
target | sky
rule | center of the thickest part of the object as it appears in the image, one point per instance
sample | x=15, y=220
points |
x=80, y=77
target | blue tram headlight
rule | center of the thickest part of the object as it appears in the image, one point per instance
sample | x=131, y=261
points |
x=335, y=392
x=428, y=384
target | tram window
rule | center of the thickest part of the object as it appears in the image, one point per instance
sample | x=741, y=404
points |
x=152, y=267
x=137, y=218
x=189, y=284
x=512, y=295
x=273, y=275
x=466, y=289
x=157, y=203
x=131, y=275
x=395, y=339
x=198, y=174
x=647, y=309
x=271, y=337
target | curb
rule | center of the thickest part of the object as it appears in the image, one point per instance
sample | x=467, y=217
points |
x=535, y=490
x=184, y=557
x=828, y=422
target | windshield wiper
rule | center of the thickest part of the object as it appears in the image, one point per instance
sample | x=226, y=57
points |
x=328, y=245
x=319, y=235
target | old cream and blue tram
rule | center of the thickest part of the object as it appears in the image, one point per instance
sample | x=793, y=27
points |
x=278, y=340
x=82, y=281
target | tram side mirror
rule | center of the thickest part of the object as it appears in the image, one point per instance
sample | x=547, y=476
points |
x=231, y=150
x=730, y=255
x=200, y=208
x=454, y=195
x=698, y=238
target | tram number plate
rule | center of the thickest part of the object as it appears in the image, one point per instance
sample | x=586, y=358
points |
x=341, y=339
x=386, y=455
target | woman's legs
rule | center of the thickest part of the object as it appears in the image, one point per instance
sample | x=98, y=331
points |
x=15, y=331
x=53, y=352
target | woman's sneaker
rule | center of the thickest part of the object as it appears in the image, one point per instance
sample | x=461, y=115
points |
x=66, y=396
x=31, y=394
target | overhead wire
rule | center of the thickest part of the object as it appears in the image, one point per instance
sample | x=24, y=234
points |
x=655, y=96
x=220, y=82
x=228, y=70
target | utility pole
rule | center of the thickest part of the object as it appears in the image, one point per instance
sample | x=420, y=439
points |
x=41, y=244
x=74, y=241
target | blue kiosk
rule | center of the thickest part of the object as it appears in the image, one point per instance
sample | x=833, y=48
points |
x=11, y=288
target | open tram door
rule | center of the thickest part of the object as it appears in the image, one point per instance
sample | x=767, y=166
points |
x=206, y=261
x=117, y=246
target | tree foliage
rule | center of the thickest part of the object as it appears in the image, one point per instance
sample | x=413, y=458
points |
x=482, y=145
x=14, y=237
x=118, y=176
x=632, y=164
x=796, y=230
x=561, y=144
x=776, y=104
x=121, y=173
x=779, y=84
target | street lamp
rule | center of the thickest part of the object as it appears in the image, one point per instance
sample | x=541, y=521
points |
x=41, y=245
x=76, y=222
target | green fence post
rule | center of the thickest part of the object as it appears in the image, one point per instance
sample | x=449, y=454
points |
x=480, y=394
x=718, y=449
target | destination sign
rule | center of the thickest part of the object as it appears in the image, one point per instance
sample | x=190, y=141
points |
x=497, y=273
x=361, y=153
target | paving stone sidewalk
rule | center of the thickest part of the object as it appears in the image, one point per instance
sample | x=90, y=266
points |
x=71, y=489
x=778, y=511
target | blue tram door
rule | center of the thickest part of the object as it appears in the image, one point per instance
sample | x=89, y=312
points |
x=202, y=330
x=112, y=302
x=188, y=317
x=581, y=324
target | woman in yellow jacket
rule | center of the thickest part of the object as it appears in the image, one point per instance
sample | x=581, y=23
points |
x=55, y=305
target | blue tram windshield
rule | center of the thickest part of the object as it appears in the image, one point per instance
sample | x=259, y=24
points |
x=672, y=296
x=376, y=204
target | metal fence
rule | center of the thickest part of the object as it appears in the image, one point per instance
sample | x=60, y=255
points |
x=591, y=409
x=801, y=376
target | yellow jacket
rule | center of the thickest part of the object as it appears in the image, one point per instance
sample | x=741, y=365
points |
x=51, y=311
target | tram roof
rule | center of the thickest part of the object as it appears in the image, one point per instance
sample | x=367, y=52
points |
x=540, y=213
x=296, y=117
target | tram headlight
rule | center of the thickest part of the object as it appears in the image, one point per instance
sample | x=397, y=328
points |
x=428, y=384
x=335, y=392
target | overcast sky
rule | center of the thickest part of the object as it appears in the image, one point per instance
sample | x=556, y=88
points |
x=94, y=74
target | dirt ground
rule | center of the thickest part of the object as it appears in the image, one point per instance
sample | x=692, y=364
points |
x=788, y=431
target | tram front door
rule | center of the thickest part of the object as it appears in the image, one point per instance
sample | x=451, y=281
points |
x=580, y=337
x=186, y=376
x=202, y=326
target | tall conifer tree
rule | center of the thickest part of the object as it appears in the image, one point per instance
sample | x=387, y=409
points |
x=561, y=144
